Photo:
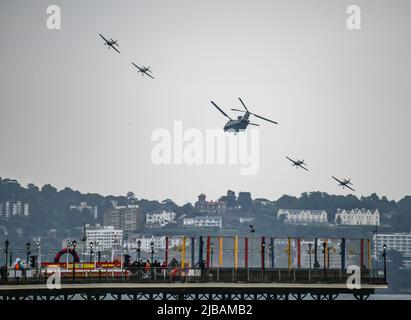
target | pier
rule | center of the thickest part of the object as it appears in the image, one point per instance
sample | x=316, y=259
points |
x=218, y=284
x=286, y=269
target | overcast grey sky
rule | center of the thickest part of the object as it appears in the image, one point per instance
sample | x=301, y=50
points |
x=73, y=113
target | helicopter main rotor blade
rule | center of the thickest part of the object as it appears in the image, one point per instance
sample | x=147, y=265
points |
x=238, y=110
x=243, y=104
x=254, y=124
x=264, y=118
x=219, y=109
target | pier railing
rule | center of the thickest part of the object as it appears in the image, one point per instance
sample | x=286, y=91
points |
x=193, y=275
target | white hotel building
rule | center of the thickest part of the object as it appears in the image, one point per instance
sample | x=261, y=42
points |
x=105, y=237
x=83, y=205
x=160, y=218
x=159, y=243
x=18, y=208
x=203, y=222
x=358, y=217
x=394, y=241
x=303, y=216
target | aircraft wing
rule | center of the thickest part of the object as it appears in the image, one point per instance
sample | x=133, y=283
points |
x=301, y=166
x=290, y=159
x=114, y=42
x=337, y=179
x=349, y=187
x=149, y=75
x=115, y=48
x=103, y=38
x=135, y=65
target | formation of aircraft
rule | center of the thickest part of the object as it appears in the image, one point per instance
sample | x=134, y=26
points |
x=242, y=122
x=298, y=163
x=345, y=183
x=233, y=125
x=110, y=43
x=144, y=70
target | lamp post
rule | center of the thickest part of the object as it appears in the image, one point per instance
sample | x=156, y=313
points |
x=384, y=255
x=310, y=246
x=68, y=244
x=252, y=231
x=212, y=253
x=316, y=263
x=152, y=251
x=138, y=250
x=6, y=251
x=97, y=250
x=114, y=246
x=325, y=257
x=270, y=249
x=328, y=256
x=74, y=259
x=263, y=254
x=376, y=242
x=28, y=252
x=39, y=254
x=100, y=246
x=91, y=244
x=84, y=240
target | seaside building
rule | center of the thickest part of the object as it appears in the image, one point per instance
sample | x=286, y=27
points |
x=129, y=218
x=394, y=241
x=357, y=217
x=210, y=207
x=83, y=205
x=203, y=222
x=160, y=219
x=293, y=216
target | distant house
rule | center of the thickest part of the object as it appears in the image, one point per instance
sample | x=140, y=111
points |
x=357, y=217
x=210, y=207
x=83, y=205
x=159, y=219
x=9, y=181
x=262, y=202
x=301, y=216
x=8, y=209
x=246, y=219
x=203, y=222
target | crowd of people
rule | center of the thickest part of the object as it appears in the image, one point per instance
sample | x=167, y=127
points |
x=18, y=265
x=147, y=269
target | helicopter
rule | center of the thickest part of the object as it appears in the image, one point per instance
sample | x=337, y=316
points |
x=242, y=122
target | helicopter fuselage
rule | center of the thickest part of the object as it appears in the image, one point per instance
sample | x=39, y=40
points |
x=241, y=123
x=236, y=125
